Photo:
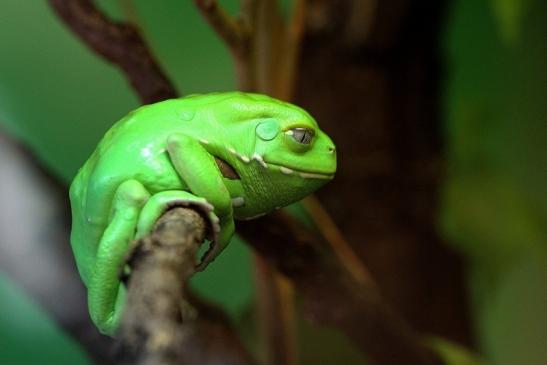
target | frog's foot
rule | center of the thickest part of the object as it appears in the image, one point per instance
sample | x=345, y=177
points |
x=226, y=232
x=161, y=202
x=105, y=295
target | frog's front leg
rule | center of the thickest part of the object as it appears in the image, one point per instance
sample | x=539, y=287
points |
x=200, y=172
x=105, y=294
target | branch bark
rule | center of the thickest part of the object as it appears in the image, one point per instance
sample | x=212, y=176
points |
x=236, y=34
x=159, y=325
x=230, y=29
x=119, y=43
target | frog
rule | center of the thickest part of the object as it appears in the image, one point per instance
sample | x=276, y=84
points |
x=229, y=155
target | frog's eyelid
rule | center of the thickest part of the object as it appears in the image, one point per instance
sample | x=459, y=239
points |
x=290, y=132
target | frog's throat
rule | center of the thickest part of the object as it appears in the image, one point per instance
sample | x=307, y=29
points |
x=275, y=167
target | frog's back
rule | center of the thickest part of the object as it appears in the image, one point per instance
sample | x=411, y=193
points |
x=135, y=148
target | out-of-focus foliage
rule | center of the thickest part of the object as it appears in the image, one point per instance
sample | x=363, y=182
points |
x=28, y=336
x=496, y=195
x=453, y=354
x=509, y=14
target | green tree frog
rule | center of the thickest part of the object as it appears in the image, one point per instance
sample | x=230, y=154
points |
x=233, y=155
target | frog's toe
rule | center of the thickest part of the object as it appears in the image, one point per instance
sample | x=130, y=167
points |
x=223, y=237
x=159, y=203
x=133, y=193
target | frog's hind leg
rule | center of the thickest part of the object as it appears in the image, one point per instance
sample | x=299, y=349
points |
x=106, y=295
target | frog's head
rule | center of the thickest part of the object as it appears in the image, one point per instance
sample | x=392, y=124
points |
x=277, y=150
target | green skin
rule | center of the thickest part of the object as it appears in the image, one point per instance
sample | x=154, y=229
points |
x=163, y=155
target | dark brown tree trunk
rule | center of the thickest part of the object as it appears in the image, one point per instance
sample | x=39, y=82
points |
x=370, y=74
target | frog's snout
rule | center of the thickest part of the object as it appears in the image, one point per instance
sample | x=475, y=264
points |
x=330, y=159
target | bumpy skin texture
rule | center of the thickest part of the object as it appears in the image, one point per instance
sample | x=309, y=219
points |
x=164, y=154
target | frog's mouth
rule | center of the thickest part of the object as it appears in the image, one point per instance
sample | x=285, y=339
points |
x=302, y=173
x=229, y=172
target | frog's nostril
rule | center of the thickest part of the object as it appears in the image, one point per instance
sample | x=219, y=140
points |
x=332, y=149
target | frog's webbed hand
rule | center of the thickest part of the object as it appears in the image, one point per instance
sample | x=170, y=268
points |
x=200, y=172
x=105, y=294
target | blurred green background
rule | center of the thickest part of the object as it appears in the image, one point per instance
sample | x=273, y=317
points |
x=58, y=98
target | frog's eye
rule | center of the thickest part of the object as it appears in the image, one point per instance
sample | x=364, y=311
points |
x=301, y=135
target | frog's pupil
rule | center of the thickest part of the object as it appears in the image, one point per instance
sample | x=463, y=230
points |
x=302, y=135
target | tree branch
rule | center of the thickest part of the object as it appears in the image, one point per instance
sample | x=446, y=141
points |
x=334, y=237
x=332, y=295
x=293, y=39
x=236, y=34
x=120, y=44
x=159, y=326
x=230, y=29
x=276, y=315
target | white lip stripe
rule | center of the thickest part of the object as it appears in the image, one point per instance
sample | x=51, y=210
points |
x=283, y=169
x=260, y=160
x=307, y=175
x=286, y=170
x=204, y=141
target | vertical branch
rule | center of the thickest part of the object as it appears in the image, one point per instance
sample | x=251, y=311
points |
x=231, y=30
x=120, y=44
x=236, y=34
x=294, y=33
x=336, y=240
x=276, y=314
x=269, y=33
